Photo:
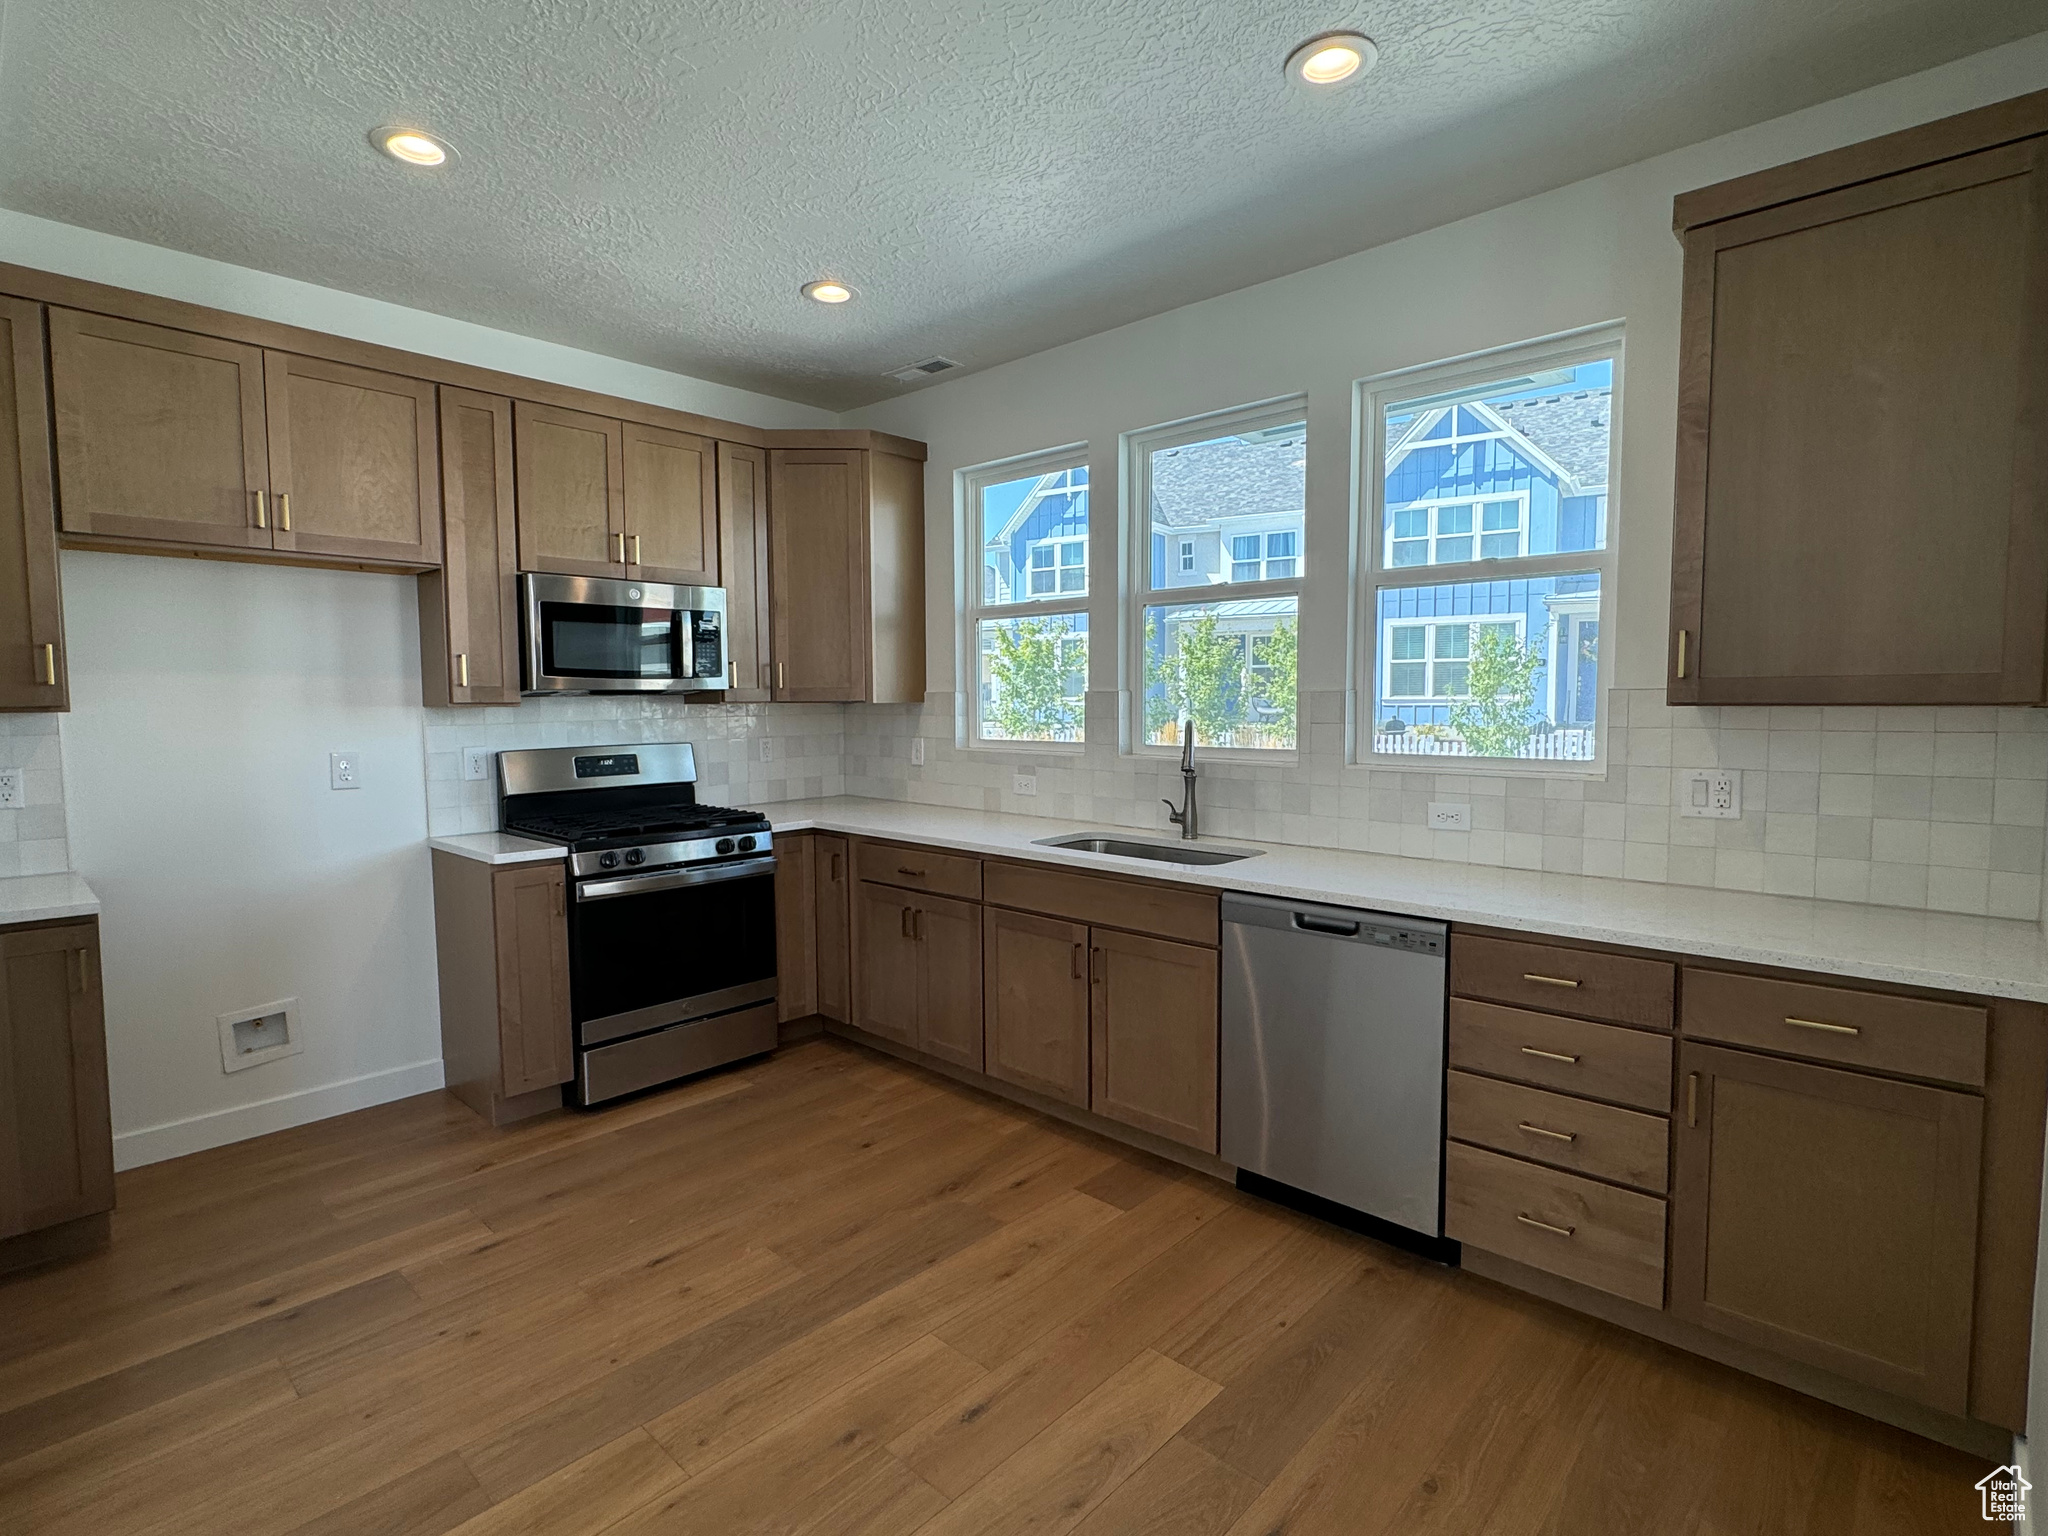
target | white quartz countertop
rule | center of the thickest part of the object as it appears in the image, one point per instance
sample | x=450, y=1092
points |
x=497, y=848
x=44, y=898
x=1994, y=957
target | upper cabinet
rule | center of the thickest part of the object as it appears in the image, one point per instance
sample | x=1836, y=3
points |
x=1862, y=486
x=469, y=616
x=182, y=439
x=32, y=661
x=846, y=575
x=743, y=562
x=599, y=497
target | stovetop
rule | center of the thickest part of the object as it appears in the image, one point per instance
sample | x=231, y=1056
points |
x=618, y=828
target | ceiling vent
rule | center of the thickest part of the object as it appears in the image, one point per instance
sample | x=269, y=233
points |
x=923, y=370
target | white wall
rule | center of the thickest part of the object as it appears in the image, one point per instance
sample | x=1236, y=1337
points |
x=205, y=699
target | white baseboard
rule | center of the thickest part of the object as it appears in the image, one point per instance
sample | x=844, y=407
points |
x=175, y=1138
x=2019, y=1459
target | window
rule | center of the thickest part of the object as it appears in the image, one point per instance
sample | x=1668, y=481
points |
x=1218, y=625
x=1027, y=632
x=1498, y=465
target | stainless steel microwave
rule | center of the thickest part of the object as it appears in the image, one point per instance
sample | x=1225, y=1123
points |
x=586, y=634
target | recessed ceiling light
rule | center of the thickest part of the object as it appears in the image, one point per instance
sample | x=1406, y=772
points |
x=413, y=146
x=826, y=291
x=1332, y=58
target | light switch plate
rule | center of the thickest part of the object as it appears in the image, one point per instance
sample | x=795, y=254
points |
x=1024, y=782
x=342, y=771
x=917, y=751
x=476, y=762
x=1450, y=816
x=1713, y=792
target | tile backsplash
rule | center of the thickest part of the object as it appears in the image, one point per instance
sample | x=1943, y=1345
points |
x=1939, y=808
x=33, y=838
x=802, y=741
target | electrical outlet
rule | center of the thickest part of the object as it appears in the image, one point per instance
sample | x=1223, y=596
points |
x=10, y=788
x=1450, y=816
x=476, y=762
x=767, y=749
x=342, y=771
x=1715, y=792
x=1024, y=782
x=917, y=751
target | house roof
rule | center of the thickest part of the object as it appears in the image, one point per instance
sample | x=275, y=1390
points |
x=1572, y=428
x=1200, y=483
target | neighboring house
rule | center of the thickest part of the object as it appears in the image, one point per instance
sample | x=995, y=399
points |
x=1473, y=481
x=1039, y=547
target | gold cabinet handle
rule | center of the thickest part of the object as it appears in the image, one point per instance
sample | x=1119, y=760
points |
x=905, y=869
x=622, y=547
x=1547, y=1226
x=262, y=509
x=1821, y=1024
x=1530, y=1050
x=835, y=869
x=1548, y=981
x=84, y=977
x=1077, y=960
x=778, y=674
x=284, y=511
x=1539, y=1130
x=1684, y=636
x=636, y=550
x=1692, y=1098
x=906, y=924
x=462, y=669
x=49, y=651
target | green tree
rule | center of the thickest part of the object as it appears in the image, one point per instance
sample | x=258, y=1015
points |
x=1279, y=654
x=1496, y=720
x=1028, y=672
x=1199, y=677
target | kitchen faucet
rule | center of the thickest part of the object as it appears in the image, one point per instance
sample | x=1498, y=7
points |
x=1183, y=815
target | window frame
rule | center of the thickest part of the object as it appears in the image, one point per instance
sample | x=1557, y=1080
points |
x=975, y=609
x=1372, y=533
x=1429, y=659
x=1141, y=596
x=1435, y=504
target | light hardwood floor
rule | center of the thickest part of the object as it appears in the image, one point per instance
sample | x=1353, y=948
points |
x=828, y=1293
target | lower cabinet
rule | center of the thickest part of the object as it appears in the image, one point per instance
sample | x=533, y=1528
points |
x=1153, y=1045
x=502, y=939
x=796, y=928
x=1035, y=1001
x=917, y=971
x=56, y=1142
x=1829, y=1216
x=831, y=882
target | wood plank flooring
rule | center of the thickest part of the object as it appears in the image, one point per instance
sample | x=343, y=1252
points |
x=828, y=1293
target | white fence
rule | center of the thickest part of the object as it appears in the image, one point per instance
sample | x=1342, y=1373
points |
x=1574, y=746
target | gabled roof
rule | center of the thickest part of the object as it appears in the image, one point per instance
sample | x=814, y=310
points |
x=1200, y=483
x=1573, y=429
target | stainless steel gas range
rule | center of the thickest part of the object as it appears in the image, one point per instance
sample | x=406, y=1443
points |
x=671, y=911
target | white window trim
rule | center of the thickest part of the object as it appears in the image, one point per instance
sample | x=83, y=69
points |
x=1372, y=396
x=1435, y=504
x=1516, y=621
x=1056, y=544
x=971, y=610
x=1138, y=447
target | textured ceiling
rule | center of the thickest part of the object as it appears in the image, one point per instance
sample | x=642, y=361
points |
x=653, y=180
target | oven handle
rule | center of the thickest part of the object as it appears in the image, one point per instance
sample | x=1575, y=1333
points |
x=668, y=880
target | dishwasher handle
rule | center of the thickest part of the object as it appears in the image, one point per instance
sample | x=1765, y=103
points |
x=1308, y=922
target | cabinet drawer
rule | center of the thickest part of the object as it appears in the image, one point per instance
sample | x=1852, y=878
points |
x=1191, y=916
x=1907, y=1035
x=1598, y=1061
x=920, y=869
x=1595, y=1139
x=1582, y=981
x=1611, y=1239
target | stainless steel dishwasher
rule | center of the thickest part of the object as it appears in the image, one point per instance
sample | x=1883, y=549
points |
x=1333, y=1055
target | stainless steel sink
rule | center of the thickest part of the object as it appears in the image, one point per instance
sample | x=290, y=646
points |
x=1159, y=853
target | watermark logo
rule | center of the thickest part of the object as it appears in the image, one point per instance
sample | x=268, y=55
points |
x=2005, y=1495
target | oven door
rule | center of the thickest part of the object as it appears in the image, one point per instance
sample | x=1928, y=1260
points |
x=591, y=635
x=649, y=950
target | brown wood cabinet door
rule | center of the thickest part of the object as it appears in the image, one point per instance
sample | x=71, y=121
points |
x=1862, y=491
x=56, y=1142
x=159, y=433
x=949, y=980
x=354, y=461
x=572, y=491
x=817, y=574
x=796, y=927
x=1035, y=1003
x=885, y=962
x=833, y=876
x=469, y=613
x=671, y=506
x=743, y=568
x=1153, y=1036
x=1828, y=1216
x=33, y=670
x=534, y=1046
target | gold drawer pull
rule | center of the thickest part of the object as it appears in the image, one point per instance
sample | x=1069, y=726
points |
x=1530, y=1050
x=1548, y=981
x=636, y=549
x=462, y=669
x=1538, y=1130
x=1833, y=1029
x=1545, y=1225
x=905, y=869
x=1683, y=637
